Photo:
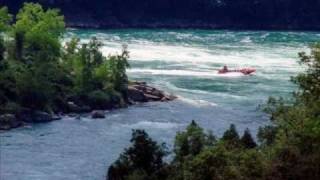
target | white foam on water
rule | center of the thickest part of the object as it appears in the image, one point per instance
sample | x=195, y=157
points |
x=197, y=102
x=202, y=74
x=201, y=92
x=253, y=55
x=246, y=40
x=150, y=124
x=263, y=58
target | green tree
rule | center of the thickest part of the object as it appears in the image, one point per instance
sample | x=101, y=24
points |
x=267, y=135
x=37, y=34
x=297, y=145
x=213, y=163
x=247, y=140
x=231, y=137
x=143, y=158
x=6, y=83
x=116, y=71
x=5, y=19
x=191, y=142
x=38, y=73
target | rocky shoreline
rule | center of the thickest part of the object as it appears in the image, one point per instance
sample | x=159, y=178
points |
x=138, y=92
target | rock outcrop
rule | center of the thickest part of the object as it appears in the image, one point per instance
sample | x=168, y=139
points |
x=138, y=92
x=141, y=92
x=75, y=108
x=41, y=117
x=9, y=121
x=97, y=114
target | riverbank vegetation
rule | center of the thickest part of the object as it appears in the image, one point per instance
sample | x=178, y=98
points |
x=42, y=76
x=39, y=73
x=289, y=149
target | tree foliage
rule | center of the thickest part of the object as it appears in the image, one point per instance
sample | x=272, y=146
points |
x=143, y=160
x=191, y=142
x=38, y=73
x=5, y=19
x=247, y=140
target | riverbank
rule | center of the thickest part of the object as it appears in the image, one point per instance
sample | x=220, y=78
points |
x=138, y=92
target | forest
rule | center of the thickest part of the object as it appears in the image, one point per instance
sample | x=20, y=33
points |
x=234, y=14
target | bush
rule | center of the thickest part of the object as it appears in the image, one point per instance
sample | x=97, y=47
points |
x=100, y=100
x=11, y=108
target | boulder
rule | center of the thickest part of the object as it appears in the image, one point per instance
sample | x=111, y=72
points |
x=56, y=117
x=72, y=107
x=85, y=109
x=40, y=117
x=141, y=92
x=136, y=95
x=25, y=115
x=98, y=114
x=152, y=97
x=169, y=97
x=158, y=93
x=8, y=121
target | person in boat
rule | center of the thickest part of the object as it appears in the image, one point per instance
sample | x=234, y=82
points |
x=245, y=71
x=224, y=69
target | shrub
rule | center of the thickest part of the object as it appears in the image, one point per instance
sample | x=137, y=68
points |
x=100, y=100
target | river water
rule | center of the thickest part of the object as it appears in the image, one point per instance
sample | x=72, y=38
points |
x=182, y=62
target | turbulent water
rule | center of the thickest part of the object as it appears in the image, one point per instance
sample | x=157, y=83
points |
x=183, y=62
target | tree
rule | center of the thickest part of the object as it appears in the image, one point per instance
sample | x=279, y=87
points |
x=6, y=83
x=191, y=142
x=116, y=68
x=267, y=135
x=5, y=19
x=36, y=72
x=37, y=32
x=297, y=142
x=247, y=140
x=144, y=155
x=231, y=137
x=213, y=163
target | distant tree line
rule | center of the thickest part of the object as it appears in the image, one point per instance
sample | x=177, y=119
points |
x=289, y=149
x=245, y=14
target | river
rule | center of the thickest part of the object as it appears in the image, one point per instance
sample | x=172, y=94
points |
x=182, y=62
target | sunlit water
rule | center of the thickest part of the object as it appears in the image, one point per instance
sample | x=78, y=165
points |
x=182, y=62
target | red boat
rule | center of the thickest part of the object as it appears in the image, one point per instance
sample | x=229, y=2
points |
x=245, y=71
